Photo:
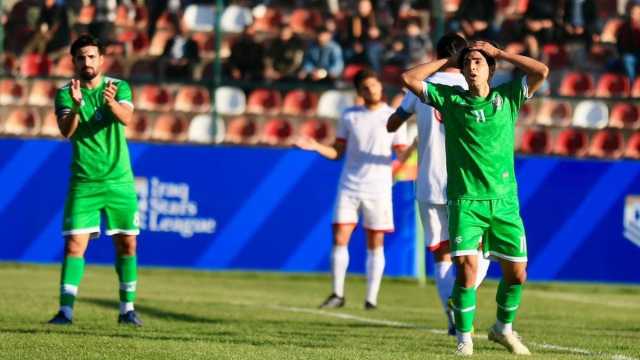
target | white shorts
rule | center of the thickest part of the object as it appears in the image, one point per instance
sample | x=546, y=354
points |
x=435, y=223
x=377, y=213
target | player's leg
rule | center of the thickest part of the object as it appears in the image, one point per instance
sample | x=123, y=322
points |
x=377, y=219
x=345, y=218
x=122, y=225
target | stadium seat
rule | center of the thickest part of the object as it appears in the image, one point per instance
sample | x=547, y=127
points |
x=135, y=42
x=192, y=98
x=113, y=66
x=230, y=100
x=153, y=98
x=576, y=84
x=22, y=122
x=264, y=101
x=591, y=114
x=613, y=85
x=351, y=70
x=571, y=142
x=635, y=89
x=34, y=65
x=527, y=113
x=535, y=141
x=277, y=132
x=49, y=126
x=556, y=56
x=12, y=92
x=143, y=70
x=632, y=150
x=140, y=127
x=64, y=67
x=199, y=17
x=333, y=102
x=203, y=130
x=304, y=21
x=235, y=18
x=241, y=130
x=320, y=130
x=625, y=115
x=43, y=93
x=391, y=74
x=170, y=127
x=607, y=143
x=266, y=19
x=9, y=63
x=300, y=102
x=554, y=113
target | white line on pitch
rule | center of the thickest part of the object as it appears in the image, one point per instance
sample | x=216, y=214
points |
x=437, y=331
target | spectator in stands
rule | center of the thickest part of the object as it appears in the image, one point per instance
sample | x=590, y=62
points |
x=284, y=56
x=103, y=26
x=358, y=32
x=52, y=29
x=475, y=19
x=541, y=20
x=374, y=49
x=629, y=41
x=411, y=47
x=15, y=22
x=323, y=59
x=180, y=55
x=581, y=21
x=246, y=59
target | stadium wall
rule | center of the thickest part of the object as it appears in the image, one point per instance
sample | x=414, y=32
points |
x=270, y=209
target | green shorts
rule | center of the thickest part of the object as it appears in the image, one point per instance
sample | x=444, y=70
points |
x=495, y=223
x=86, y=202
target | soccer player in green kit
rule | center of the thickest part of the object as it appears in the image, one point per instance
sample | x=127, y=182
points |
x=92, y=111
x=482, y=190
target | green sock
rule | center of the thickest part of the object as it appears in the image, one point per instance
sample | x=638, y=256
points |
x=464, y=303
x=127, y=269
x=508, y=298
x=72, y=270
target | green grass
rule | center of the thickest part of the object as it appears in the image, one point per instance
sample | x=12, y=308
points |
x=228, y=315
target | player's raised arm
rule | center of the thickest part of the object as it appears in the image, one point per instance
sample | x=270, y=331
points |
x=413, y=78
x=535, y=70
x=123, y=111
x=67, y=117
x=333, y=152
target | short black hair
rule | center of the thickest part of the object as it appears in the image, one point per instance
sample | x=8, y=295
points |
x=449, y=45
x=84, y=41
x=362, y=75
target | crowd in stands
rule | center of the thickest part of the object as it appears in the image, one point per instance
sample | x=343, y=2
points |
x=287, y=65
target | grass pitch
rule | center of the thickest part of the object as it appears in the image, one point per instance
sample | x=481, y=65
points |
x=229, y=315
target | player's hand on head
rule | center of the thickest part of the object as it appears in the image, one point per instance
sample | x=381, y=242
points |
x=305, y=143
x=76, y=93
x=485, y=47
x=110, y=93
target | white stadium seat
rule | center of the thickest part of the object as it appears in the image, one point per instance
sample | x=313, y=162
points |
x=333, y=102
x=230, y=100
x=591, y=114
x=203, y=130
x=235, y=18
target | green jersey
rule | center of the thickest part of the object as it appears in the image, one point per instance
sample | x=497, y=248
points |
x=100, y=152
x=479, y=134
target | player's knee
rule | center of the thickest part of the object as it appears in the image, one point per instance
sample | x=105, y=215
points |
x=127, y=246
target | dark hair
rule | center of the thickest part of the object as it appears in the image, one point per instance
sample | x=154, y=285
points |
x=362, y=75
x=449, y=45
x=84, y=41
x=490, y=60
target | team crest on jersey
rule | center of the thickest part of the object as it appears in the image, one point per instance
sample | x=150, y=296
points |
x=98, y=116
x=497, y=102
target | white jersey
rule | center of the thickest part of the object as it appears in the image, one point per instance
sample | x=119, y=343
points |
x=367, y=166
x=431, y=184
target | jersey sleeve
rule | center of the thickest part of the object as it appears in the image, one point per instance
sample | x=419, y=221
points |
x=436, y=95
x=124, y=94
x=342, y=132
x=516, y=91
x=63, y=101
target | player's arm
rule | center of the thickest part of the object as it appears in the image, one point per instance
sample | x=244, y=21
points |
x=67, y=109
x=535, y=70
x=121, y=108
x=402, y=113
x=406, y=152
x=333, y=152
x=413, y=79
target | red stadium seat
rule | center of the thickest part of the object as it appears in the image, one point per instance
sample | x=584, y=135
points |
x=625, y=115
x=554, y=113
x=64, y=67
x=391, y=74
x=535, y=141
x=264, y=101
x=267, y=20
x=571, y=142
x=33, y=65
x=635, y=90
x=351, y=70
x=632, y=150
x=305, y=21
x=192, y=99
x=136, y=42
x=576, y=84
x=607, y=143
x=320, y=130
x=22, y=122
x=613, y=85
x=43, y=93
x=154, y=98
x=49, y=126
x=241, y=130
x=170, y=127
x=300, y=102
x=527, y=113
x=12, y=92
x=556, y=56
x=277, y=132
x=141, y=126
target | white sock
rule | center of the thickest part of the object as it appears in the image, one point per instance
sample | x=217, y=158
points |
x=339, y=265
x=464, y=337
x=443, y=275
x=375, y=270
x=67, y=311
x=483, y=268
x=503, y=328
x=125, y=307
